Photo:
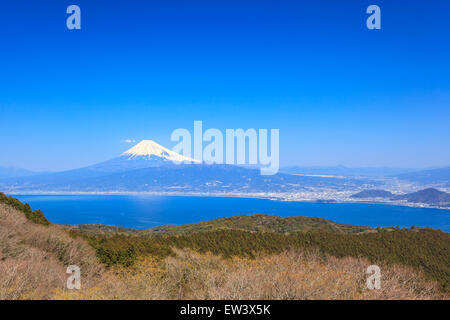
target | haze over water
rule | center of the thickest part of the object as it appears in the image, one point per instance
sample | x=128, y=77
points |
x=144, y=212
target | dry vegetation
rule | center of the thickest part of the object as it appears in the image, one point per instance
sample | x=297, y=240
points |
x=290, y=275
x=34, y=258
x=253, y=223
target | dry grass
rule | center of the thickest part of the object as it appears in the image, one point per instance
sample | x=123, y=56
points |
x=34, y=258
x=290, y=275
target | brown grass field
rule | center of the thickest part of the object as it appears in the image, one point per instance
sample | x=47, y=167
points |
x=34, y=258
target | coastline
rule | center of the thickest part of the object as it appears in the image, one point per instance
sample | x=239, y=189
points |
x=272, y=197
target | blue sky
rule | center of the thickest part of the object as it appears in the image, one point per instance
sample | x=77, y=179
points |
x=338, y=92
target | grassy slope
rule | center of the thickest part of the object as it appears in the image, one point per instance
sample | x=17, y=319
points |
x=254, y=223
x=424, y=249
x=289, y=275
x=34, y=255
x=261, y=223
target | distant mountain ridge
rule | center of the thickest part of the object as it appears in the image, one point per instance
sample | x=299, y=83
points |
x=11, y=172
x=346, y=171
x=432, y=176
x=149, y=167
x=439, y=177
x=429, y=196
x=172, y=178
x=146, y=154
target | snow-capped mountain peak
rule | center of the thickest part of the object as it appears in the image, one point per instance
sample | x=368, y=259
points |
x=150, y=149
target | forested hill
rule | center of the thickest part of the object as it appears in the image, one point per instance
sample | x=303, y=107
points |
x=425, y=250
x=253, y=223
x=429, y=196
x=247, y=237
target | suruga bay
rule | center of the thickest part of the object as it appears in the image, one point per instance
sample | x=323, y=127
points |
x=144, y=212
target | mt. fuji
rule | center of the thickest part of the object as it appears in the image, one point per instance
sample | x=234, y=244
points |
x=150, y=150
x=145, y=154
x=149, y=167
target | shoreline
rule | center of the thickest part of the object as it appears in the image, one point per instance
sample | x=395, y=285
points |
x=273, y=197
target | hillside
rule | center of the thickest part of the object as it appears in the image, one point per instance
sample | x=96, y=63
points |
x=34, y=254
x=262, y=223
x=372, y=194
x=426, y=250
x=170, y=178
x=439, y=176
x=218, y=264
x=429, y=196
x=149, y=167
x=11, y=172
x=254, y=223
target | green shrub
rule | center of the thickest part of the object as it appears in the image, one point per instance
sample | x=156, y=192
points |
x=424, y=249
x=36, y=216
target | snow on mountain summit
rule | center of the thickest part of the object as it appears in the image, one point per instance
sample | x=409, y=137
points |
x=149, y=149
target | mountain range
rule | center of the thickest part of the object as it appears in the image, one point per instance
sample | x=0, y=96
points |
x=432, y=176
x=429, y=196
x=11, y=172
x=346, y=171
x=150, y=167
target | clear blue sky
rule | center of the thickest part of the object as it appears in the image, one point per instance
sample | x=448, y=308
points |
x=338, y=92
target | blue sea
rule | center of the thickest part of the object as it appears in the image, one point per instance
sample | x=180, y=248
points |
x=143, y=212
